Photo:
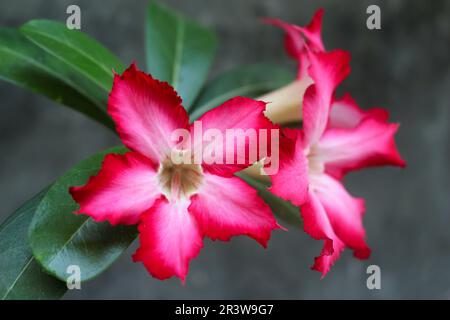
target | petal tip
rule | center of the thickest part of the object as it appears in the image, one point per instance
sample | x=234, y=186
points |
x=362, y=254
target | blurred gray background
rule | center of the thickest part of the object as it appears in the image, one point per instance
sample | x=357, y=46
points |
x=403, y=67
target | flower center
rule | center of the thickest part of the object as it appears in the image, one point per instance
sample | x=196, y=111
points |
x=179, y=180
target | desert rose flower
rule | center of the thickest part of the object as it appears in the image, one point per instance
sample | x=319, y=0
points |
x=175, y=204
x=336, y=137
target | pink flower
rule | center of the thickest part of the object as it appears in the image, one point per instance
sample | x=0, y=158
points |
x=337, y=137
x=175, y=205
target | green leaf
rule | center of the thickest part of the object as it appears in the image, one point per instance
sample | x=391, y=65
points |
x=249, y=80
x=59, y=238
x=21, y=277
x=25, y=64
x=281, y=208
x=90, y=61
x=178, y=51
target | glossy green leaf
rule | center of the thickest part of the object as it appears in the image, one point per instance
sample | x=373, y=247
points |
x=249, y=81
x=89, y=60
x=281, y=208
x=178, y=51
x=25, y=64
x=21, y=277
x=59, y=238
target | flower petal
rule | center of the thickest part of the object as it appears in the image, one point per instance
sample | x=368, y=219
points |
x=345, y=113
x=291, y=181
x=344, y=212
x=123, y=189
x=327, y=70
x=146, y=112
x=294, y=44
x=371, y=143
x=241, y=115
x=313, y=32
x=317, y=224
x=333, y=215
x=297, y=38
x=226, y=207
x=293, y=41
x=169, y=238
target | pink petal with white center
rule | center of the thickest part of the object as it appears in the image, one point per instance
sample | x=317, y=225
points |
x=227, y=206
x=169, y=238
x=317, y=224
x=344, y=212
x=123, y=189
x=371, y=143
x=146, y=112
x=291, y=181
x=345, y=113
x=239, y=114
x=327, y=70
